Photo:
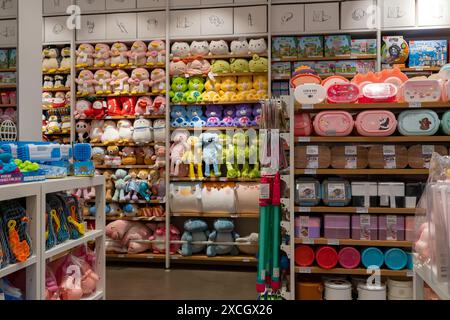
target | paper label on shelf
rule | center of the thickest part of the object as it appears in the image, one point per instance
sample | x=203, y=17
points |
x=312, y=162
x=312, y=150
x=304, y=270
x=427, y=149
x=264, y=191
x=351, y=151
x=307, y=106
x=150, y=257
x=410, y=273
x=306, y=191
x=391, y=227
x=384, y=201
x=362, y=210
x=389, y=150
x=304, y=139
x=307, y=241
x=246, y=260
x=276, y=273
x=310, y=171
x=333, y=242
x=389, y=157
x=410, y=202
x=174, y=258
x=336, y=191
x=121, y=256
x=415, y=105
x=364, y=227
x=234, y=215
x=304, y=209
x=351, y=162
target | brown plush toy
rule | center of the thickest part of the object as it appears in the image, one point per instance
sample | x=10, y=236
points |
x=109, y=185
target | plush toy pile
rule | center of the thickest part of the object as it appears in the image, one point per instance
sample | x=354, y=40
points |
x=55, y=61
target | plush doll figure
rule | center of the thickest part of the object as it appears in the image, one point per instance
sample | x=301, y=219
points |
x=193, y=157
x=194, y=230
x=257, y=46
x=143, y=185
x=160, y=156
x=228, y=89
x=178, y=117
x=85, y=55
x=243, y=115
x=102, y=55
x=224, y=232
x=98, y=155
x=212, y=149
x=85, y=82
x=239, y=65
x=220, y=66
x=180, y=50
x=112, y=157
x=142, y=133
x=178, y=68
x=96, y=131
x=195, y=89
x=258, y=64
x=198, y=67
x=261, y=86
x=160, y=235
x=125, y=131
x=199, y=48
x=98, y=110
x=158, y=81
x=131, y=188
x=156, y=53
x=81, y=108
x=102, y=80
x=110, y=134
x=143, y=106
x=119, y=55
x=228, y=116
x=214, y=115
x=178, y=88
x=119, y=185
x=119, y=82
x=239, y=47
x=177, y=150
x=139, y=81
x=109, y=185
x=219, y=47
x=82, y=129
x=66, y=61
x=50, y=63
x=195, y=115
x=159, y=106
x=137, y=55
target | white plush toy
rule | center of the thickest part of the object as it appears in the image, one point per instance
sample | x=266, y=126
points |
x=239, y=47
x=66, y=60
x=50, y=62
x=181, y=49
x=125, y=131
x=142, y=133
x=218, y=47
x=257, y=46
x=110, y=134
x=96, y=130
x=199, y=48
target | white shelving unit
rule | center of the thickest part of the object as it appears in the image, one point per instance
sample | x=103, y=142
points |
x=422, y=275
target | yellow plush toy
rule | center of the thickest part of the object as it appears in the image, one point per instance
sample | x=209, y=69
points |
x=212, y=90
x=211, y=85
x=245, y=86
x=260, y=85
x=228, y=89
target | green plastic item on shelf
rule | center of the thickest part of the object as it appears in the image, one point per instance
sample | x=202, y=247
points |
x=26, y=166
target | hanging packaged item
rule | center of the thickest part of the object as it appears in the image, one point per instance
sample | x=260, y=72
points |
x=185, y=197
x=349, y=258
x=388, y=157
x=307, y=192
x=309, y=93
x=59, y=218
x=307, y=227
x=419, y=155
x=364, y=227
x=426, y=90
x=309, y=290
x=247, y=197
x=391, y=227
x=343, y=93
x=395, y=50
x=418, y=123
x=312, y=157
x=338, y=290
x=337, y=226
x=371, y=292
x=218, y=198
x=379, y=123
x=378, y=93
x=391, y=194
x=303, y=125
x=336, y=192
x=364, y=194
x=349, y=157
x=333, y=123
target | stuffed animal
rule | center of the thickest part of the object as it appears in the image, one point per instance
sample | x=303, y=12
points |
x=213, y=115
x=239, y=65
x=251, y=250
x=195, y=89
x=194, y=230
x=109, y=185
x=178, y=68
x=114, y=107
x=85, y=82
x=257, y=110
x=142, y=133
x=261, y=86
x=178, y=117
x=228, y=116
x=257, y=46
x=58, y=82
x=137, y=56
x=112, y=157
x=128, y=156
x=253, y=156
x=212, y=149
x=131, y=210
x=114, y=210
x=81, y=108
x=159, y=130
x=66, y=125
x=139, y=81
x=219, y=47
x=180, y=50
x=160, y=235
x=128, y=104
x=53, y=126
x=85, y=55
x=158, y=81
x=82, y=129
x=110, y=134
x=159, y=106
x=96, y=131
x=48, y=82
x=195, y=116
x=239, y=47
x=138, y=231
x=178, y=89
x=220, y=66
x=119, y=82
x=119, y=55
x=50, y=63
x=98, y=155
x=198, y=67
x=143, y=106
x=177, y=150
x=102, y=56
x=66, y=61
x=258, y=64
x=245, y=89
x=102, y=80
x=193, y=157
x=116, y=230
x=199, y=48
x=132, y=187
x=223, y=232
x=159, y=158
x=213, y=85
x=228, y=89
x=156, y=53
x=147, y=154
x=243, y=115
x=125, y=131
x=143, y=185
x=119, y=185
x=98, y=110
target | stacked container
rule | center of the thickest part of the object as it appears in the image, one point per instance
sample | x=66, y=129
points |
x=391, y=228
x=364, y=227
x=337, y=226
x=307, y=227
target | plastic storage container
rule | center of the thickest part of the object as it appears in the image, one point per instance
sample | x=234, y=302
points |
x=312, y=157
x=337, y=226
x=338, y=290
x=376, y=123
x=307, y=192
x=391, y=194
x=372, y=257
x=400, y=289
x=364, y=227
x=336, y=192
x=343, y=93
x=395, y=259
x=333, y=123
x=391, y=227
x=304, y=256
x=310, y=93
x=307, y=227
x=327, y=257
x=349, y=258
x=445, y=123
x=349, y=157
x=303, y=125
x=378, y=92
x=425, y=90
x=371, y=292
x=309, y=290
x=364, y=194
x=418, y=123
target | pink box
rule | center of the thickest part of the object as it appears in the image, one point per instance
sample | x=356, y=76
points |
x=374, y=123
x=307, y=227
x=410, y=228
x=391, y=228
x=333, y=123
x=337, y=226
x=364, y=227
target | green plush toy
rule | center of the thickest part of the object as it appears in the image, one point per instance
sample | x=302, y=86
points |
x=253, y=153
x=258, y=64
x=220, y=66
x=239, y=65
x=178, y=88
x=196, y=86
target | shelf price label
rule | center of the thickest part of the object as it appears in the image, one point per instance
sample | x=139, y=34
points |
x=333, y=242
x=307, y=241
x=307, y=106
x=246, y=260
x=410, y=273
x=121, y=256
x=310, y=171
x=362, y=210
x=304, y=270
x=415, y=105
x=304, y=139
x=304, y=209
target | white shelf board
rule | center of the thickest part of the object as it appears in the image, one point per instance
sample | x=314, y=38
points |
x=70, y=183
x=19, y=190
x=441, y=289
x=98, y=295
x=70, y=244
x=305, y=33
x=224, y=37
x=17, y=266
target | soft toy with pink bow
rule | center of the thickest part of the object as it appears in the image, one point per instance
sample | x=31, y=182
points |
x=156, y=54
x=85, y=55
x=102, y=55
x=138, y=54
x=139, y=81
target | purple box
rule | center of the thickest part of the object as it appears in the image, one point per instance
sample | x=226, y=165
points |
x=307, y=227
x=410, y=228
x=364, y=227
x=391, y=228
x=337, y=226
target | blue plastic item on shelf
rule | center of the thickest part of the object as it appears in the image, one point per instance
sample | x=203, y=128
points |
x=83, y=166
x=372, y=257
x=410, y=264
x=82, y=151
x=395, y=259
x=39, y=152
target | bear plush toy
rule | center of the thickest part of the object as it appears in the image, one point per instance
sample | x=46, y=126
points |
x=214, y=115
x=180, y=50
x=228, y=116
x=199, y=48
x=195, y=116
x=194, y=230
x=243, y=115
x=178, y=88
x=179, y=117
x=219, y=47
x=224, y=232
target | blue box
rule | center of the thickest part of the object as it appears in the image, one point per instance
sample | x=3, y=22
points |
x=83, y=169
x=428, y=53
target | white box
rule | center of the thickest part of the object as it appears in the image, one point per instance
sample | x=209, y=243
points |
x=217, y=21
x=91, y=5
x=322, y=17
x=93, y=27
x=398, y=13
x=288, y=18
x=388, y=191
x=249, y=1
x=56, y=6
x=120, y=4
x=185, y=3
x=250, y=20
x=8, y=9
x=151, y=25
x=433, y=12
x=55, y=30
x=358, y=15
x=121, y=26
x=185, y=23
x=8, y=32
x=152, y=4
x=206, y=2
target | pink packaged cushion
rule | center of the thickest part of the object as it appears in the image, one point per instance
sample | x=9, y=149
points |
x=343, y=93
x=376, y=123
x=333, y=123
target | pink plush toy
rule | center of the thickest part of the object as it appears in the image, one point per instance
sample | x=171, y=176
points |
x=159, y=105
x=102, y=56
x=158, y=82
x=85, y=82
x=89, y=282
x=178, y=68
x=119, y=82
x=138, y=54
x=96, y=131
x=81, y=108
x=156, y=54
x=70, y=285
x=198, y=67
x=139, y=81
x=143, y=106
x=138, y=231
x=119, y=55
x=102, y=82
x=116, y=230
x=422, y=245
x=160, y=235
x=85, y=54
x=177, y=150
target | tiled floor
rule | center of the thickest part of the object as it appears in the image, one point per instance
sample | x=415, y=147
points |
x=137, y=282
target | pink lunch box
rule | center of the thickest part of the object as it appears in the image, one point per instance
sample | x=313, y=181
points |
x=422, y=90
x=373, y=123
x=378, y=92
x=303, y=126
x=333, y=123
x=343, y=93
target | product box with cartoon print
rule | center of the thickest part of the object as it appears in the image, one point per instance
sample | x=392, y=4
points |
x=310, y=47
x=365, y=66
x=431, y=53
x=364, y=47
x=325, y=68
x=298, y=64
x=284, y=47
x=338, y=46
x=12, y=58
x=345, y=67
x=281, y=69
x=4, y=59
